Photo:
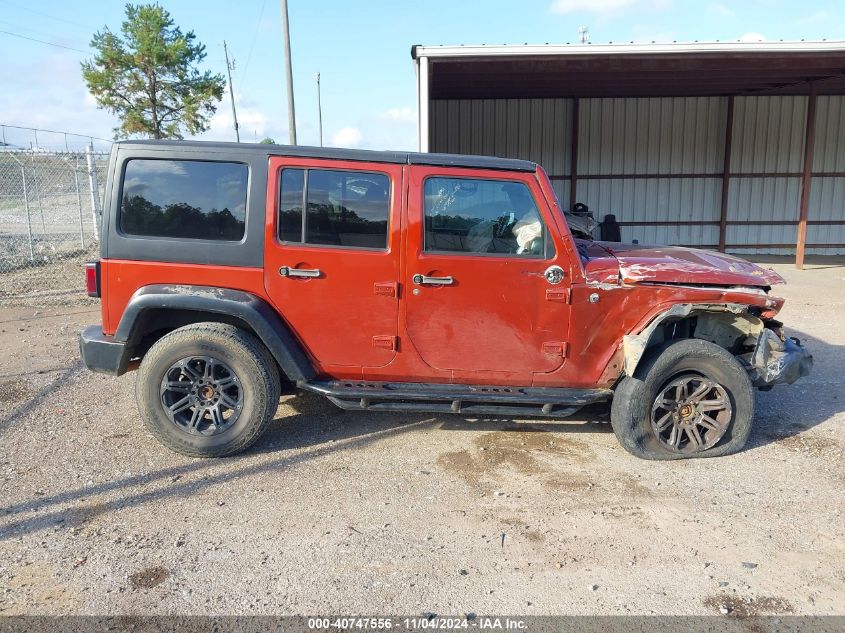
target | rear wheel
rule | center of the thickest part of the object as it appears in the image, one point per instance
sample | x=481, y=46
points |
x=207, y=390
x=689, y=398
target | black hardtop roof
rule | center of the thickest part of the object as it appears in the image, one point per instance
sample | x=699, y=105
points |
x=305, y=151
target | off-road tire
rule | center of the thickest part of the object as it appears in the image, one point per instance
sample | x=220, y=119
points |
x=631, y=409
x=240, y=350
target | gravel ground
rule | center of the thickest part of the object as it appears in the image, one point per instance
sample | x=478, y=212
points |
x=342, y=512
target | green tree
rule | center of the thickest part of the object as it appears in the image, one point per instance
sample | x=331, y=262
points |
x=267, y=141
x=148, y=76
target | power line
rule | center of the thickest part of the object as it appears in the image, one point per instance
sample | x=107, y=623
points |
x=32, y=39
x=26, y=30
x=252, y=44
x=45, y=15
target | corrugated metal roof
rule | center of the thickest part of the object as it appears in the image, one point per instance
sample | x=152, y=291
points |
x=622, y=48
x=632, y=70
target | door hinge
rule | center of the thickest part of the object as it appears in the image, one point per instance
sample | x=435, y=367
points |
x=559, y=295
x=390, y=343
x=556, y=348
x=385, y=288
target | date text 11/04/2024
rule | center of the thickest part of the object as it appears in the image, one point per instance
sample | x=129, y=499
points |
x=419, y=623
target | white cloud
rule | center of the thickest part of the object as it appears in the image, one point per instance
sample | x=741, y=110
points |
x=721, y=10
x=814, y=18
x=50, y=93
x=594, y=6
x=605, y=7
x=401, y=115
x=253, y=123
x=752, y=36
x=347, y=137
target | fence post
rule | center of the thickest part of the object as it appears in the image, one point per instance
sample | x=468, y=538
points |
x=95, y=189
x=28, y=220
x=78, y=199
x=38, y=189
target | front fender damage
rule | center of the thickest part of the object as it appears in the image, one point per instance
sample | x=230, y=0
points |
x=772, y=359
x=635, y=345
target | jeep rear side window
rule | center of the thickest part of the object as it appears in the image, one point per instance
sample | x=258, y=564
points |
x=493, y=217
x=185, y=199
x=343, y=208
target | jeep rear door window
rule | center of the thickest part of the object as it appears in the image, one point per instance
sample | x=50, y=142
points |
x=342, y=208
x=290, y=205
x=494, y=217
x=185, y=199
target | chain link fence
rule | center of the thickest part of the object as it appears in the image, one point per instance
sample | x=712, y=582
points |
x=50, y=207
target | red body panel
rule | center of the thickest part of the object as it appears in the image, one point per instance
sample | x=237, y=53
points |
x=677, y=265
x=121, y=278
x=347, y=318
x=597, y=328
x=500, y=323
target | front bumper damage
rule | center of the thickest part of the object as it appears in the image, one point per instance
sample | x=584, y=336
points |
x=776, y=360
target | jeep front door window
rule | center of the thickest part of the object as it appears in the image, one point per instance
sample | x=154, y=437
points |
x=492, y=217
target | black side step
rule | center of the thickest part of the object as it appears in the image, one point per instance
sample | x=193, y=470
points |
x=463, y=399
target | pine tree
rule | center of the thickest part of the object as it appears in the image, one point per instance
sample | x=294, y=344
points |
x=148, y=76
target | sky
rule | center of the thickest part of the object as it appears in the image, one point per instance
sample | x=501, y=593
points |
x=361, y=48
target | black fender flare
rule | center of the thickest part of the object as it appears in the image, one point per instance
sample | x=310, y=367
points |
x=231, y=305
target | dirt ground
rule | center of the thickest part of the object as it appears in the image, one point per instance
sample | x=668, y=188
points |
x=343, y=512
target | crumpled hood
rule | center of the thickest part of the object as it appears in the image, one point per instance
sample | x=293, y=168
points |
x=672, y=264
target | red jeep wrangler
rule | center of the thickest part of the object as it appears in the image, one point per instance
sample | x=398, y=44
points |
x=393, y=281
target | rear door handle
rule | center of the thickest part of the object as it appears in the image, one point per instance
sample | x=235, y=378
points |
x=422, y=280
x=287, y=271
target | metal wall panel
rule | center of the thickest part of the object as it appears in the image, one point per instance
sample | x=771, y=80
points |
x=768, y=137
x=651, y=136
x=670, y=136
x=827, y=195
x=827, y=202
x=657, y=200
x=829, y=142
x=768, y=134
x=532, y=129
x=696, y=236
x=763, y=199
x=561, y=188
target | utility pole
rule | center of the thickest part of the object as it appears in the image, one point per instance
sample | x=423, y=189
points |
x=319, y=109
x=291, y=111
x=229, y=67
x=584, y=34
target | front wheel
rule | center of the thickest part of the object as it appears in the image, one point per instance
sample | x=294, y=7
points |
x=689, y=398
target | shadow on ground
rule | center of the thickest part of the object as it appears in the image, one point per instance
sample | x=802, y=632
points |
x=317, y=428
x=787, y=410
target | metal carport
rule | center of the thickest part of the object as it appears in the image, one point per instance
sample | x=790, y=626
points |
x=732, y=146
